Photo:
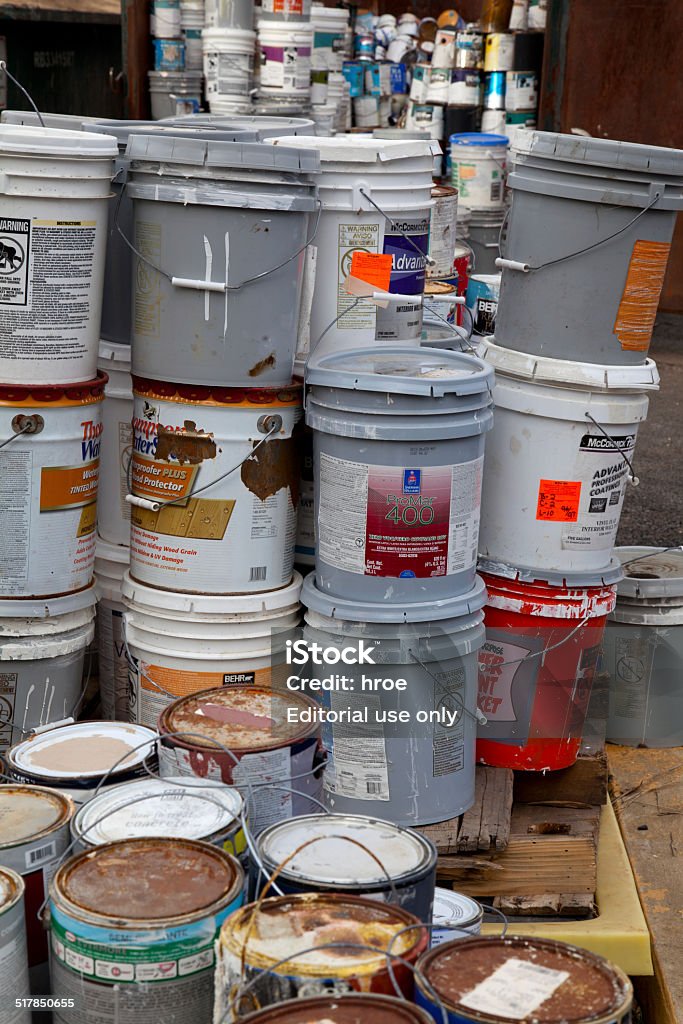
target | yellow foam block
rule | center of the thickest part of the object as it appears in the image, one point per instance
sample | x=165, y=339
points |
x=619, y=933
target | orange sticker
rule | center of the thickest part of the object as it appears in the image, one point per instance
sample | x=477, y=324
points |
x=373, y=268
x=182, y=683
x=558, y=501
x=68, y=486
x=640, y=298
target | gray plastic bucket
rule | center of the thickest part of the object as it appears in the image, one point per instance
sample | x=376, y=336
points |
x=398, y=458
x=234, y=215
x=643, y=650
x=413, y=772
x=570, y=193
x=483, y=238
x=265, y=127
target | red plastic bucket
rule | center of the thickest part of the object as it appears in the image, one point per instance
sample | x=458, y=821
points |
x=535, y=702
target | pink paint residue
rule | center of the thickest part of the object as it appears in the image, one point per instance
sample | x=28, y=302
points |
x=233, y=716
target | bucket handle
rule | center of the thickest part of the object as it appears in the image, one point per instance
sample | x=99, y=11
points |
x=3, y=67
x=24, y=425
x=365, y=192
x=477, y=716
x=526, y=268
x=632, y=478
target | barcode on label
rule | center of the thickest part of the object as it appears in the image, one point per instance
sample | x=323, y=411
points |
x=496, y=189
x=373, y=787
x=257, y=572
x=39, y=854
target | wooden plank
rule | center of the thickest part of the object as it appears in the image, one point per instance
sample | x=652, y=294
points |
x=584, y=783
x=444, y=834
x=573, y=904
x=486, y=826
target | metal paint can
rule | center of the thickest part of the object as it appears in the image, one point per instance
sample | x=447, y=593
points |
x=169, y=55
x=75, y=758
x=500, y=51
x=268, y=751
x=494, y=90
x=132, y=929
x=419, y=85
x=521, y=91
x=466, y=87
x=257, y=937
x=483, y=291
x=439, y=85
x=495, y=980
x=364, y=46
x=350, y=854
x=442, y=230
x=469, y=48
x=34, y=834
x=454, y=910
x=347, y=1009
x=13, y=953
x=182, y=808
x=435, y=309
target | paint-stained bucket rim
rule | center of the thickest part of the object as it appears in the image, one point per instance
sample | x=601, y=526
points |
x=37, y=608
x=298, y=1011
x=15, y=756
x=40, y=395
x=63, y=803
x=210, y=395
x=545, y=601
x=347, y=610
x=141, y=597
x=15, y=885
x=611, y=574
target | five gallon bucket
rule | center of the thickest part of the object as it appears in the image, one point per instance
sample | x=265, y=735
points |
x=173, y=93
x=643, y=650
x=536, y=668
x=52, y=248
x=42, y=654
x=228, y=62
x=285, y=59
x=403, y=752
x=366, y=184
x=180, y=645
x=478, y=164
x=484, y=237
x=48, y=486
x=610, y=206
x=398, y=457
x=113, y=515
x=558, y=460
x=223, y=304
x=214, y=482
x=111, y=562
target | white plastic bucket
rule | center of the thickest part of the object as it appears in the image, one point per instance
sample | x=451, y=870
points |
x=355, y=173
x=111, y=562
x=42, y=653
x=228, y=62
x=478, y=162
x=165, y=19
x=48, y=487
x=180, y=645
x=53, y=228
x=207, y=518
x=174, y=93
x=235, y=14
x=194, y=52
x=366, y=111
x=554, y=484
x=285, y=58
x=419, y=83
x=493, y=122
x=113, y=512
x=428, y=117
x=285, y=10
x=330, y=25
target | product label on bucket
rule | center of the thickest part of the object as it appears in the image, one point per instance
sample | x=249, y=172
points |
x=352, y=239
x=399, y=522
x=286, y=67
x=603, y=473
x=153, y=687
x=228, y=73
x=515, y=989
x=358, y=766
x=508, y=674
x=8, y=690
x=407, y=244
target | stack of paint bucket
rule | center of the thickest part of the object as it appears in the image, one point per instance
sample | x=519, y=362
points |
x=577, y=308
x=192, y=17
x=175, y=86
x=229, y=42
x=330, y=105
x=285, y=44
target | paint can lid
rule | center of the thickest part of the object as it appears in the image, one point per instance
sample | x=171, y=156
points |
x=454, y=908
x=33, y=140
x=261, y=127
x=292, y=156
x=606, y=577
x=48, y=607
x=404, y=370
x=152, y=599
x=361, y=149
x=609, y=153
x=28, y=812
x=351, y=1008
x=83, y=751
x=11, y=888
x=478, y=139
x=384, y=611
x=650, y=572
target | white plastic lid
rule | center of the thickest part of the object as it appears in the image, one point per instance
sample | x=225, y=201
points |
x=118, y=553
x=650, y=572
x=581, y=149
x=360, y=149
x=84, y=750
x=48, y=607
x=114, y=355
x=143, y=597
x=30, y=140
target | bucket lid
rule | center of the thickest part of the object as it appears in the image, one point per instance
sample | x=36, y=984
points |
x=84, y=750
x=28, y=812
x=123, y=130
x=567, y=372
x=581, y=149
x=357, y=149
x=455, y=908
x=402, y=370
x=31, y=140
x=48, y=607
x=262, y=126
x=118, y=553
x=115, y=353
x=650, y=572
x=154, y=600
x=478, y=139
x=207, y=153
x=613, y=573
x=346, y=610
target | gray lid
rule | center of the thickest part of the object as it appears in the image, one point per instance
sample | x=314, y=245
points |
x=32, y=140
x=123, y=130
x=384, y=611
x=578, y=578
x=261, y=127
x=48, y=607
x=580, y=149
x=402, y=369
x=651, y=572
x=208, y=153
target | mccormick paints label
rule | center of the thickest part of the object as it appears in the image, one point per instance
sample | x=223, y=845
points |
x=407, y=244
x=394, y=522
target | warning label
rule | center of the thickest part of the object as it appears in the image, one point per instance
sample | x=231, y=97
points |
x=15, y=237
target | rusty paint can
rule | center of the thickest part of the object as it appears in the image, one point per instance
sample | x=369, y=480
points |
x=347, y=1009
x=132, y=930
x=257, y=937
x=34, y=835
x=214, y=487
x=13, y=954
x=496, y=980
x=265, y=749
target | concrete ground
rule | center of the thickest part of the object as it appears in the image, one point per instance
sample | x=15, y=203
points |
x=653, y=511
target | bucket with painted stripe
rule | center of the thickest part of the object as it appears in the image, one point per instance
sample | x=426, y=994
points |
x=214, y=482
x=454, y=910
x=113, y=512
x=132, y=928
x=478, y=163
x=179, y=808
x=494, y=981
x=227, y=212
x=558, y=459
x=285, y=58
x=410, y=533
x=263, y=742
x=348, y=1010
x=13, y=950
x=330, y=27
x=50, y=472
x=255, y=938
x=42, y=656
x=353, y=236
x=442, y=231
x=350, y=854
x=182, y=644
x=111, y=562
x=615, y=203
x=79, y=757
x=405, y=751
x=33, y=839
x=643, y=650
x=228, y=62
x=55, y=184
x=500, y=51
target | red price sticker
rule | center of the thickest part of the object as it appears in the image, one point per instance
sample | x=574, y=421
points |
x=558, y=501
x=373, y=268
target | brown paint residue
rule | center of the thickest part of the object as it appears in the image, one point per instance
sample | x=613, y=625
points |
x=267, y=711
x=351, y=1009
x=187, y=446
x=274, y=465
x=91, y=755
x=263, y=364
